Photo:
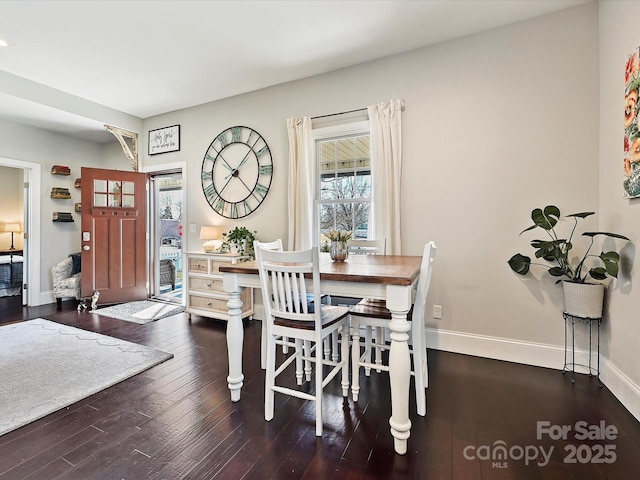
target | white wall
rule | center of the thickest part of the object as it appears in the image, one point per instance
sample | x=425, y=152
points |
x=621, y=327
x=495, y=125
x=38, y=146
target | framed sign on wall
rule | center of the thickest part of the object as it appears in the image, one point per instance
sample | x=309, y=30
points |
x=163, y=140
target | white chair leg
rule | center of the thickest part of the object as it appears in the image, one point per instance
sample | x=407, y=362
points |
x=263, y=345
x=419, y=364
x=344, y=357
x=367, y=349
x=298, y=354
x=355, y=359
x=307, y=363
x=334, y=347
x=318, y=375
x=285, y=347
x=326, y=347
x=270, y=379
x=379, y=341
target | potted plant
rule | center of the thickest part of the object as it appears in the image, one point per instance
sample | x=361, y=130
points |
x=239, y=240
x=576, y=272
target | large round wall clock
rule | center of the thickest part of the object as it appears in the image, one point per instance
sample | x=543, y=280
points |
x=236, y=172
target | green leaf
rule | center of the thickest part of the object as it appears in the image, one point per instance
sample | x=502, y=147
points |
x=546, y=219
x=581, y=214
x=598, y=273
x=611, y=260
x=556, y=272
x=608, y=234
x=520, y=264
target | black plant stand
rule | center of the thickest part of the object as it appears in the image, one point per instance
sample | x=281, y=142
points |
x=570, y=322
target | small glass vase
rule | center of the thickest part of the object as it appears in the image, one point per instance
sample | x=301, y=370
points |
x=338, y=251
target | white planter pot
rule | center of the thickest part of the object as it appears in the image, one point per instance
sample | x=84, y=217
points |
x=583, y=300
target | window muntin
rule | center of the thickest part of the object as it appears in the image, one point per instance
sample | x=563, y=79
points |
x=344, y=197
x=111, y=193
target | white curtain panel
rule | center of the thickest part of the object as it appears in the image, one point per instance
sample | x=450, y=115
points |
x=386, y=159
x=302, y=183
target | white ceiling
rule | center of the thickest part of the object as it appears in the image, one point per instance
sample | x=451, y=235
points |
x=146, y=58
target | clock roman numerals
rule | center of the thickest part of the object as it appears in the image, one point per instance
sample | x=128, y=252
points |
x=265, y=169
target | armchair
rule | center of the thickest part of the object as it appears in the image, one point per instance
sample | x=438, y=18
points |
x=65, y=282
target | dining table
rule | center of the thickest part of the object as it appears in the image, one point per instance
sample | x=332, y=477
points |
x=386, y=277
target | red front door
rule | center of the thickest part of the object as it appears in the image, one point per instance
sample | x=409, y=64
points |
x=114, y=240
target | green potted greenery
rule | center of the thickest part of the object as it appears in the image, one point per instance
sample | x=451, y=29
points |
x=575, y=273
x=239, y=240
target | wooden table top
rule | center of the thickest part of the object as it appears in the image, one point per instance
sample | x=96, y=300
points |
x=384, y=269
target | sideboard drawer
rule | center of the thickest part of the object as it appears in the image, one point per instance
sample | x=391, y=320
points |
x=210, y=285
x=218, y=305
x=198, y=265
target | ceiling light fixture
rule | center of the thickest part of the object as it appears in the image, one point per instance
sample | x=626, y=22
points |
x=3, y=43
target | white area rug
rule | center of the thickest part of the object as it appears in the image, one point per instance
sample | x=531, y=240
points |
x=46, y=366
x=143, y=311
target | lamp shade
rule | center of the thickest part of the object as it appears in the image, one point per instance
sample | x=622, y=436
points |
x=210, y=234
x=12, y=227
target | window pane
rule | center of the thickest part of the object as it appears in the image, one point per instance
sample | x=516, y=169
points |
x=115, y=194
x=128, y=187
x=128, y=201
x=351, y=216
x=99, y=199
x=100, y=186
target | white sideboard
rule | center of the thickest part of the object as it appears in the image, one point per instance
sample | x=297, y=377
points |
x=205, y=295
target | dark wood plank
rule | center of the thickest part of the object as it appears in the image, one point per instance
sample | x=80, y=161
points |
x=176, y=420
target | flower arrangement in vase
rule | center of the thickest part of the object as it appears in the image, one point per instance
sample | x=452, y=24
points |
x=338, y=249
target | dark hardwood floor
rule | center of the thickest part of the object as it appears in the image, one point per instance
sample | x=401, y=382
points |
x=176, y=420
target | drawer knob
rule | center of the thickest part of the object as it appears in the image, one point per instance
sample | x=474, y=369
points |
x=209, y=284
x=208, y=304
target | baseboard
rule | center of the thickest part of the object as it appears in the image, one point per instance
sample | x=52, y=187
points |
x=622, y=387
x=45, y=298
x=536, y=354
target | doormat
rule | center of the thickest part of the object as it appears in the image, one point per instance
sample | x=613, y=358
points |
x=141, y=312
x=47, y=366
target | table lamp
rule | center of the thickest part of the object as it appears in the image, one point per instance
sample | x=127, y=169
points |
x=13, y=228
x=210, y=235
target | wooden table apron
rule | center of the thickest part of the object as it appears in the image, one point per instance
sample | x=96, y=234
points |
x=388, y=277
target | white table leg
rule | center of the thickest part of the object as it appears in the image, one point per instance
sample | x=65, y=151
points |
x=235, y=336
x=398, y=302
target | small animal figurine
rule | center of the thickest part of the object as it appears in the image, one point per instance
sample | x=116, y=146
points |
x=82, y=306
x=94, y=300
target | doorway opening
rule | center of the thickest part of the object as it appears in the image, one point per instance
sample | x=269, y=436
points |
x=166, y=216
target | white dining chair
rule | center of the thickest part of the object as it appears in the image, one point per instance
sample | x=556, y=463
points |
x=375, y=313
x=369, y=247
x=289, y=315
x=277, y=246
x=366, y=247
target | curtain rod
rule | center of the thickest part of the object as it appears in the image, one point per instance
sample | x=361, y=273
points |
x=340, y=113
x=349, y=111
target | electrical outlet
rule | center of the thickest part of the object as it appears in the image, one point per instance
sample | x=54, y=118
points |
x=437, y=311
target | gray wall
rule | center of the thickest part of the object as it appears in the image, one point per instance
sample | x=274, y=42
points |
x=487, y=118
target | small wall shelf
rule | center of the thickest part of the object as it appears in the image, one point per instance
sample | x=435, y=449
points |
x=62, y=217
x=60, y=170
x=60, y=192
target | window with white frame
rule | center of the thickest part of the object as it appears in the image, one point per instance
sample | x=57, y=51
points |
x=344, y=176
